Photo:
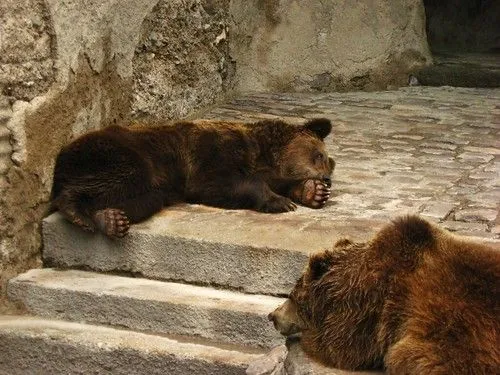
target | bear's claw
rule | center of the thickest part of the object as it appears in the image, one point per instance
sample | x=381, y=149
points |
x=278, y=204
x=86, y=225
x=112, y=222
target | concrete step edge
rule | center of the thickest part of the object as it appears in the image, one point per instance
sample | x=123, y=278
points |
x=148, y=305
x=40, y=346
x=240, y=250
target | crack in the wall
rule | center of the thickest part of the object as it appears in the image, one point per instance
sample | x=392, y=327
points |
x=5, y=137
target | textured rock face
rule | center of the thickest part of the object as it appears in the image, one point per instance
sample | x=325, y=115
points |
x=27, y=49
x=181, y=62
x=26, y=70
x=285, y=45
x=290, y=359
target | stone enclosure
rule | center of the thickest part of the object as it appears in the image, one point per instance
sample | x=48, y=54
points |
x=190, y=289
x=67, y=67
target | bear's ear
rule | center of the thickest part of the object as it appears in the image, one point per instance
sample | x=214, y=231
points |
x=319, y=264
x=413, y=231
x=405, y=240
x=320, y=127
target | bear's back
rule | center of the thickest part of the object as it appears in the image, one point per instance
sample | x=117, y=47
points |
x=454, y=302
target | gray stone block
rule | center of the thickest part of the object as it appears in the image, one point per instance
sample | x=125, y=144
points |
x=40, y=347
x=242, y=250
x=148, y=305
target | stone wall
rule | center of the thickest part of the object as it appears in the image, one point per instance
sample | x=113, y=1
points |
x=310, y=45
x=182, y=61
x=67, y=67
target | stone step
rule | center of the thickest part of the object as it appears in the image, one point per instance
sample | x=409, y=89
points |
x=39, y=346
x=234, y=249
x=148, y=305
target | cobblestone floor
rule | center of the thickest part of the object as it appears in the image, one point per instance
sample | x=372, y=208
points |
x=433, y=151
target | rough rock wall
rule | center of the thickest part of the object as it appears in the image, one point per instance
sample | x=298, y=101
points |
x=27, y=70
x=309, y=45
x=182, y=59
x=67, y=67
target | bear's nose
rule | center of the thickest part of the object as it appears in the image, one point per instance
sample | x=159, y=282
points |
x=327, y=180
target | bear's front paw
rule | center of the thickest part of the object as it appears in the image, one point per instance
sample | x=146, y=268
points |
x=312, y=193
x=278, y=204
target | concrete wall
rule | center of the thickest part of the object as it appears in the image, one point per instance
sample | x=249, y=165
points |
x=70, y=66
x=310, y=45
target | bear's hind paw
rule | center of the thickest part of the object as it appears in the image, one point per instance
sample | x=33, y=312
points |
x=112, y=222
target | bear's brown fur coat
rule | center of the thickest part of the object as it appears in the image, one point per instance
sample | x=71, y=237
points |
x=112, y=177
x=415, y=300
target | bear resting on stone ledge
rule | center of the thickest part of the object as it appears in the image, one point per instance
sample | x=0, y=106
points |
x=107, y=179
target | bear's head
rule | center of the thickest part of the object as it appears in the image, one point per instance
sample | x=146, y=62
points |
x=335, y=305
x=305, y=156
x=338, y=303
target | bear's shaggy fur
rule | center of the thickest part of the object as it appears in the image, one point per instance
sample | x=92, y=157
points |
x=112, y=177
x=415, y=300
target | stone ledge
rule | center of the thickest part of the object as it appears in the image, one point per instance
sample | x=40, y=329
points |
x=148, y=305
x=242, y=250
x=39, y=346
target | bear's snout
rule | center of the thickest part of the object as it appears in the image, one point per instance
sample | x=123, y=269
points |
x=285, y=318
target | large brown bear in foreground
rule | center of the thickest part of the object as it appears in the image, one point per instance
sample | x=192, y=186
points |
x=415, y=300
x=112, y=177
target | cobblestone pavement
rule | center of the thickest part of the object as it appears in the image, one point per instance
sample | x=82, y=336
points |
x=433, y=151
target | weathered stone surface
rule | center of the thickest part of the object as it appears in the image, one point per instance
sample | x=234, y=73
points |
x=297, y=363
x=148, y=305
x=37, y=346
x=475, y=157
x=437, y=210
x=381, y=144
x=476, y=215
x=290, y=359
x=182, y=60
x=27, y=48
x=319, y=46
x=472, y=229
x=243, y=250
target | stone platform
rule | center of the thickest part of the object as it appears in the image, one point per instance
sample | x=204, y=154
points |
x=432, y=151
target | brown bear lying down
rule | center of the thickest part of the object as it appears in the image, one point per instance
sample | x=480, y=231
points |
x=112, y=177
x=415, y=300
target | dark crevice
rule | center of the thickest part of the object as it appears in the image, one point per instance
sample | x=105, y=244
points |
x=464, y=37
